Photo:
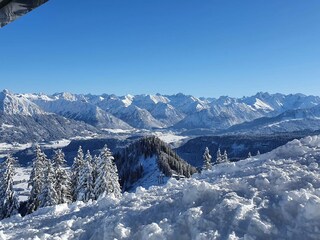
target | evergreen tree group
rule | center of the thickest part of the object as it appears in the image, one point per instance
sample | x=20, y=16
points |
x=90, y=178
x=221, y=158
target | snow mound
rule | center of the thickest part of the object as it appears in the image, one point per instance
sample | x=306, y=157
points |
x=275, y=196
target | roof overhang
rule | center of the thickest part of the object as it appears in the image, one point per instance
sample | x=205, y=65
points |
x=10, y=10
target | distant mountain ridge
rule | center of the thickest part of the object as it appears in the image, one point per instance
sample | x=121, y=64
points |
x=288, y=121
x=23, y=121
x=179, y=112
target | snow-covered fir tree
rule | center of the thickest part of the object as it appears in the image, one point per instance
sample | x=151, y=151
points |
x=207, y=160
x=107, y=181
x=219, y=157
x=49, y=196
x=62, y=178
x=258, y=153
x=249, y=155
x=225, y=157
x=37, y=178
x=85, y=185
x=75, y=177
x=9, y=203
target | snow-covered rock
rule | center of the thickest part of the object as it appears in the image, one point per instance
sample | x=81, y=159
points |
x=275, y=196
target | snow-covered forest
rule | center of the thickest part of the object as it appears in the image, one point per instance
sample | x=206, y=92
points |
x=51, y=183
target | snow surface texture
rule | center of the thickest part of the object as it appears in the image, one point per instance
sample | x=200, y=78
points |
x=275, y=196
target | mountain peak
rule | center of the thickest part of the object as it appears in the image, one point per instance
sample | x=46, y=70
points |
x=6, y=91
x=17, y=104
x=66, y=96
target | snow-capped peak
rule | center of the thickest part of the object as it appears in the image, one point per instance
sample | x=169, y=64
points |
x=66, y=96
x=11, y=103
x=127, y=100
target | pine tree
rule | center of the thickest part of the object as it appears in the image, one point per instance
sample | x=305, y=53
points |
x=225, y=157
x=49, y=196
x=219, y=157
x=249, y=155
x=37, y=178
x=258, y=153
x=107, y=181
x=62, y=178
x=85, y=187
x=207, y=160
x=75, y=177
x=114, y=178
x=9, y=203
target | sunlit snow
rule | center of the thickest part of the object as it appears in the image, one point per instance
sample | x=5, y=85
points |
x=275, y=196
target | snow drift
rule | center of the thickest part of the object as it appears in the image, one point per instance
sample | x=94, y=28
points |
x=275, y=196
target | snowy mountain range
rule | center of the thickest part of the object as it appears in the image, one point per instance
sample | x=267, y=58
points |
x=21, y=120
x=80, y=114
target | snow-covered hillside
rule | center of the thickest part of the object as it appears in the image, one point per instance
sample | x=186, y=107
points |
x=276, y=196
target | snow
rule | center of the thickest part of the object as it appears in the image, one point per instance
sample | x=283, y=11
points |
x=277, y=124
x=118, y=131
x=273, y=196
x=157, y=111
x=169, y=137
x=17, y=104
x=262, y=105
x=6, y=125
x=21, y=183
x=127, y=100
x=57, y=144
x=8, y=147
x=151, y=174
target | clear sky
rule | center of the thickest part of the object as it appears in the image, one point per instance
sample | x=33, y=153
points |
x=198, y=47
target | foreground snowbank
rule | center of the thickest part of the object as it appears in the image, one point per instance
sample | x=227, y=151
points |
x=274, y=197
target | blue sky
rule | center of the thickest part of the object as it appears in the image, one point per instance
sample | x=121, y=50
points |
x=198, y=47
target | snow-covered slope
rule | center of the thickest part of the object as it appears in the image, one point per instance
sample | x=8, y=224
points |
x=187, y=103
x=289, y=121
x=167, y=114
x=144, y=161
x=82, y=111
x=138, y=118
x=276, y=196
